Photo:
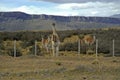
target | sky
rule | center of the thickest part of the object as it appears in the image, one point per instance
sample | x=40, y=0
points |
x=63, y=7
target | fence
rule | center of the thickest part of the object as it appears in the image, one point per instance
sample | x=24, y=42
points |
x=18, y=48
x=111, y=47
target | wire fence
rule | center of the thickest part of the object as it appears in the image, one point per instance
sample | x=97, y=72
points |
x=19, y=48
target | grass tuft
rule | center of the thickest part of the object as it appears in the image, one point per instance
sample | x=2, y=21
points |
x=58, y=63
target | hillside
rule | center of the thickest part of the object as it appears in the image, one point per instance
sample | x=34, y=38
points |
x=116, y=16
x=15, y=21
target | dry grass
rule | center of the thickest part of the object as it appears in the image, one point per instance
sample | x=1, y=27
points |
x=82, y=67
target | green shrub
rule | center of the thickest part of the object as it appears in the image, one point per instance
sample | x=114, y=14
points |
x=11, y=53
x=58, y=63
x=32, y=51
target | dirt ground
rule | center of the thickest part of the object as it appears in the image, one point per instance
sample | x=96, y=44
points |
x=77, y=67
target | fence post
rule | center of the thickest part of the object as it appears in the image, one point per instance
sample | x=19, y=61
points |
x=113, y=48
x=96, y=48
x=42, y=42
x=35, y=47
x=14, y=48
x=79, y=46
x=53, y=50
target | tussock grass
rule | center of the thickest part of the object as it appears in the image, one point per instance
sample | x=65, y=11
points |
x=82, y=67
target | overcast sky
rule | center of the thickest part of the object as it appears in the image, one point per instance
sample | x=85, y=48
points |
x=63, y=7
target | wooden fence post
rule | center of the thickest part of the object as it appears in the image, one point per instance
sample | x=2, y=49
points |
x=96, y=48
x=79, y=46
x=36, y=48
x=14, y=48
x=113, y=48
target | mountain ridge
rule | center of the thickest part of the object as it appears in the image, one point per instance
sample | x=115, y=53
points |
x=15, y=21
x=116, y=16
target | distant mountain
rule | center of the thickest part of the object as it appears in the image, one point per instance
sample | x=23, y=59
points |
x=116, y=16
x=15, y=21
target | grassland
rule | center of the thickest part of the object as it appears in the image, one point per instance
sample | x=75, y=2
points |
x=69, y=67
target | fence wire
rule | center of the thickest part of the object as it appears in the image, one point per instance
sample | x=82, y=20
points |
x=27, y=47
